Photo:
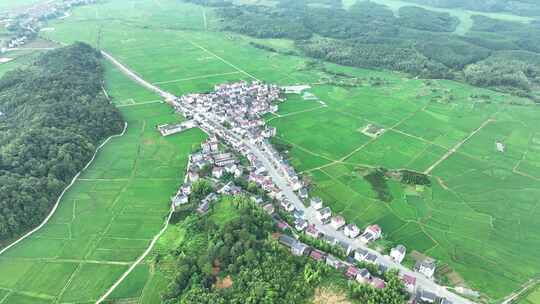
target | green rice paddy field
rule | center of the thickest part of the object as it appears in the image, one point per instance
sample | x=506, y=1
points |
x=107, y=219
x=532, y=297
x=479, y=217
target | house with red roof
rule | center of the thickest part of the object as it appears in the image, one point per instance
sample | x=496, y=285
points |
x=317, y=256
x=410, y=283
x=352, y=272
x=312, y=231
x=337, y=222
x=372, y=233
x=378, y=283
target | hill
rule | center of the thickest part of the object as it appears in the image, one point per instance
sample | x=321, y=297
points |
x=54, y=114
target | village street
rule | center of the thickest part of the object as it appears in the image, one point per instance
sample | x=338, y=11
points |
x=310, y=214
x=277, y=173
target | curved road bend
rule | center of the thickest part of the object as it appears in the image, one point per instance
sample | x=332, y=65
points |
x=283, y=185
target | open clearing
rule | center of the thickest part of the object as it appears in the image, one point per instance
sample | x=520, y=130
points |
x=481, y=219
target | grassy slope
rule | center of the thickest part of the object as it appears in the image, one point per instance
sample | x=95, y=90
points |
x=479, y=221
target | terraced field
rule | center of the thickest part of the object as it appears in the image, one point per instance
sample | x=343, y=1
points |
x=478, y=217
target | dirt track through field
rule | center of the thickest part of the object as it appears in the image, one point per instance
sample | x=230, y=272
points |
x=457, y=146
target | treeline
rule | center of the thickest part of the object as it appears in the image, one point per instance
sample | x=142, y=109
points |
x=417, y=41
x=53, y=114
x=422, y=19
x=239, y=261
x=517, y=7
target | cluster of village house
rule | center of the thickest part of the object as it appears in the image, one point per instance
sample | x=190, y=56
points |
x=25, y=24
x=239, y=108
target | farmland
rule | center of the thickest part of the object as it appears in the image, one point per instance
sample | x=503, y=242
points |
x=106, y=220
x=464, y=16
x=532, y=297
x=8, y=5
x=478, y=217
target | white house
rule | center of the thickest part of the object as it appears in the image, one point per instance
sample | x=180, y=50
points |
x=372, y=233
x=398, y=253
x=186, y=188
x=300, y=224
x=426, y=267
x=303, y=193
x=363, y=276
x=288, y=206
x=324, y=214
x=179, y=199
x=316, y=203
x=351, y=231
x=296, y=183
x=337, y=222
x=500, y=146
x=360, y=254
x=217, y=172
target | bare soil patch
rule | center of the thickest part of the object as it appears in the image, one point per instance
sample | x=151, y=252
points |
x=224, y=283
x=328, y=296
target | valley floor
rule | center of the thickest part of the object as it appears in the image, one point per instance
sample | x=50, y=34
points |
x=478, y=219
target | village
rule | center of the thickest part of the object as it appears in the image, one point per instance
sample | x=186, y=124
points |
x=24, y=25
x=238, y=149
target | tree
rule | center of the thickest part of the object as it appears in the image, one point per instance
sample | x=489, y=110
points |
x=55, y=115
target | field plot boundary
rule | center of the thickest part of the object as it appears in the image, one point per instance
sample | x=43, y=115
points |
x=457, y=146
x=197, y=77
x=139, y=103
x=53, y=210
x=223, y=60
x=138, y=261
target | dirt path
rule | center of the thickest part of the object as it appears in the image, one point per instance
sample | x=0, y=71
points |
x=457, y=146
x=223, y=60
x=526, y=287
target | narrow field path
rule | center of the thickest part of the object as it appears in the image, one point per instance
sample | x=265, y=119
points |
x=526, y=287
x=138, y=261
x=130, y=74
x=295, y=113
x=457, y=146
x=204, y=19
x=223, y=60
x=196, y=77
x=139, y=103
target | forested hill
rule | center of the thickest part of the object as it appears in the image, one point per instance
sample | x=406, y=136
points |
x=497, y=54
x=518, y=7
x=53, y=116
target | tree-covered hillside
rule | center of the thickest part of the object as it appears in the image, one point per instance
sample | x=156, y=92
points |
x=53, y=116
x=417, y=41
x=518, y=7
x=238, y=260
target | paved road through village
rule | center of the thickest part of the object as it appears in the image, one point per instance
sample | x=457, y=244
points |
x=276, y=173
